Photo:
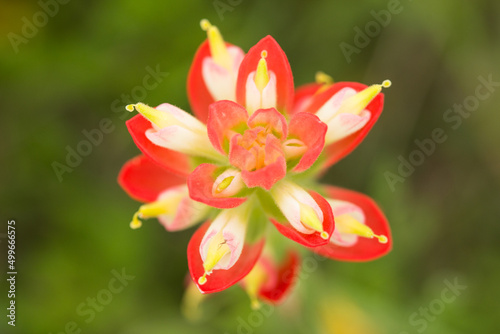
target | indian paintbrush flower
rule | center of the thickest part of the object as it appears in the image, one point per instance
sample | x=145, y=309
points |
x=250, y=157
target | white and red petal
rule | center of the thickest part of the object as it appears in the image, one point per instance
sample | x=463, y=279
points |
x=187, y=212
x=144, y=180
x=225, y=119
x=220, y=279
x=175, y=162
x=201, y=183
x=255, y=99
x=365, y=249
x=290, y=198
x=303, y=96
x=199, y=95
x=310, y=130
x=277, y=63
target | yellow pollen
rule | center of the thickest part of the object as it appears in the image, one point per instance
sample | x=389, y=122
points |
x=262, y=75
x=218, y=48
x=357, y=103
x=348, y=224
x=310, y=219
x=224, y=184
x=217, y=249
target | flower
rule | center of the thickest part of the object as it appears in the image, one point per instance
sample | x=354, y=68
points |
x=249, y=158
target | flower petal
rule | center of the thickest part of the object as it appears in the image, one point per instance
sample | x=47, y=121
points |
x=220, y=279
x=365, y=249
x=281, y=279
x=144, y=180
x=225, y=118
x=187, y=212
x=199, y=95
x=277, y=63
x=338, y=150
x=311, y=132
x=175, y=162
x=271, y=120
x=200, y=184
x=309, y=239
x=303, y=96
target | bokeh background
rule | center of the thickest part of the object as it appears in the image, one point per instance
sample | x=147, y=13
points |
x=72, y=233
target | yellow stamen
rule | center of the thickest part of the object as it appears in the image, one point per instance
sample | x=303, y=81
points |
x=309, y=218
x=324, y=80
x=224, y=184
x=159, y=118
x=357, y=103
x=348, y=224
x=218, y=48
x=253, y=283
x=262, y=75
x=150, y=210
x=217, y=249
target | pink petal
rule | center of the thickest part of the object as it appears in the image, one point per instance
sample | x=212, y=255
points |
x=200, y=184
x=271, y=120
x=311, y=131
x=225, y=118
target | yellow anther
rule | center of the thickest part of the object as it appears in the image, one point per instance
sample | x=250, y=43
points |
x=218, y=48
x=153, y=209
x=310, y=219
x=159, y=118
x=217, y=249
x=323, y=78
x=348, y=224
x=357, y=103
x=135, y=223
x=262, y=75
x=224, y=184
x=253, y=283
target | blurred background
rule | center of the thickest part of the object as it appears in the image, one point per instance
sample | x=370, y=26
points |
x=63, y=72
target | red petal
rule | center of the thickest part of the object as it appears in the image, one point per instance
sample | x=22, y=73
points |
x=311, y=131
x=303, y=96
x=220, y=279
x=281, y=279
x=269, y=117
x=365, y=249
x=200, y=183
x=175, y=162
x=144, y=180
x=340, y=149
x=276, y=62
x=224, y=117
x=314, y=239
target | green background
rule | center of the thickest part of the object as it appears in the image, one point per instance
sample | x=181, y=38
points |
x=72, y=234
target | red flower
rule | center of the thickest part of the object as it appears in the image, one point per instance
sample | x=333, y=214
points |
x=248, y=154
